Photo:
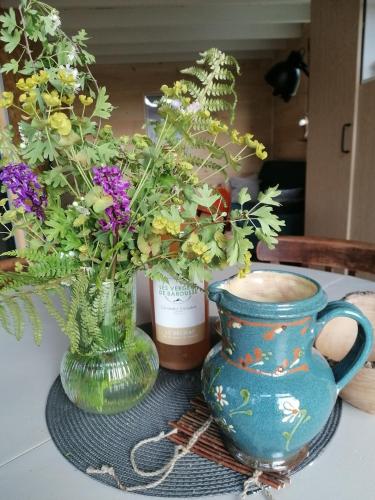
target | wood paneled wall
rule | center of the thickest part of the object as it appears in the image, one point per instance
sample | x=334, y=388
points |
x=128, y=84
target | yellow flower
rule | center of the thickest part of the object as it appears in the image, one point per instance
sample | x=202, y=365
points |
x=186, y=166
x=85, y=100
x=18, y=267
x=66, y=77
x=215, y=127
x=29, y=108
x=68, y=99
x=32, y=96
x=42, y=77
x=28, y=100
x=199, y=248
x=260, y=151
x=205, y=113
x=236, y=137
x=61, y=123
x=179, y=88
x=27, y=85
x=158, y=225
x=244, y=271
x=52, y=100
x=194, y=179
x=207, y=257
x=172, y=227
x=249, y=141
x=21, y=85
x=6, y=100
x=167, y=91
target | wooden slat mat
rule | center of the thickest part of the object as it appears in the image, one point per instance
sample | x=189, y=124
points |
x=211, y=447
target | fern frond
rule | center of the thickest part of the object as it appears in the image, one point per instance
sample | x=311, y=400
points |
x=199, y=73
x=79, y=290
x=53, y=266
x=51, y=308
x=61, y=293
x=33, y=316
x=90, y=323
x=214, y=79
x=16, y=316
x=4, y=319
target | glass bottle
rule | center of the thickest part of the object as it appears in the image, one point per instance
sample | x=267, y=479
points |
x=180, y=324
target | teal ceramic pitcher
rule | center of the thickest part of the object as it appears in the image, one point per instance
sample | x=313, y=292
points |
x=269, y=390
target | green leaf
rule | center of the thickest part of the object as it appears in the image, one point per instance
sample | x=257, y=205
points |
x=155, y=245
x=56, y=230
x=239, y=244
x=198, y=272
x=204, y=196
x=189, y=209
x=11, y=40
x=243, y=196
x=173, y=214
x=93, y=195
x=143, y=245
x=28, y=68
x=10, y=66
x=103, y=108
x=157, y=273
x=107, y=152
x=102, y=203
x=267, y=196
x=8, y=20
x=81, y=37
x=55, y=177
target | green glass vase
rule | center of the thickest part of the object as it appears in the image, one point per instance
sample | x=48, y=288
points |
x=122, y=369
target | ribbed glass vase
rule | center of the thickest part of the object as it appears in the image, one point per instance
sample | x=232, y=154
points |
x=120, y=372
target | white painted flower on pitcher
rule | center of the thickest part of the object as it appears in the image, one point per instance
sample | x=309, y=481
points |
x=220, y=396
x=291, y=409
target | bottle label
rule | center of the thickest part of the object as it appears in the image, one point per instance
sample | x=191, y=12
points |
x=179, y=313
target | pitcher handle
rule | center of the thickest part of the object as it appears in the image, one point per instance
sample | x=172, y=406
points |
x=350, y=365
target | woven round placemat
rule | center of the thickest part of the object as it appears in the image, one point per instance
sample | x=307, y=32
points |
x=86, y=439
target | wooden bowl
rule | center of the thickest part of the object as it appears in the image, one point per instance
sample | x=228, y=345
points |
x=335, y=341
x=360, y=392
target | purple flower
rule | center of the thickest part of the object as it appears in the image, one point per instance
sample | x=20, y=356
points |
x=113, y=184
x=23, y=184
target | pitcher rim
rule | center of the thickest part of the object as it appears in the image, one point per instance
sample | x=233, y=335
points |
x=305, y=306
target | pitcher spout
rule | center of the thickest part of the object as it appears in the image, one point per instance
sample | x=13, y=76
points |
x=215, y=291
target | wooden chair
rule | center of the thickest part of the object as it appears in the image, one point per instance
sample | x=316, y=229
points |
x=8, y=264
x=331, y=254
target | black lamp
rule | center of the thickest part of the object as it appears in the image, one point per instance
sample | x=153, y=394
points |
x=285, y=76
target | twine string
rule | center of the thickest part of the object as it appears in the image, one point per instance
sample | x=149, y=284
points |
x=164, y=471
x=254, y=480
x=179, y=452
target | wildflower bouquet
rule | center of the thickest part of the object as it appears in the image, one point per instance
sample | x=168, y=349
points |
x=96, y=208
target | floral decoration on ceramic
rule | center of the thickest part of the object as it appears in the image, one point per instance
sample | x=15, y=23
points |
x=292, y=414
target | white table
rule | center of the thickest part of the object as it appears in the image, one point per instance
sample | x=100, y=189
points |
x=31, y=467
